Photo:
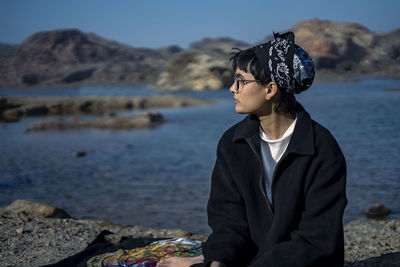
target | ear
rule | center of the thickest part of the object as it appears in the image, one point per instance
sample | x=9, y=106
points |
x=271, y=90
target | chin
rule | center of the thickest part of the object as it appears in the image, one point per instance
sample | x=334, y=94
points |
x=240, y=110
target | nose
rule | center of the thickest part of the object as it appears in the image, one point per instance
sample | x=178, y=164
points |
x=232, y=89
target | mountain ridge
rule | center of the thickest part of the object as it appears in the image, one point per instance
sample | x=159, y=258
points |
x=66, y=57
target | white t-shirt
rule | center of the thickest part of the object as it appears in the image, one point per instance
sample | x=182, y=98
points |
x=271, y=153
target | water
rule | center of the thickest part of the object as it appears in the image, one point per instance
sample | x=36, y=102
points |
x=162, y=179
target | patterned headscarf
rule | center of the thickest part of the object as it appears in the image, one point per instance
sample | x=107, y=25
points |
x=286, y=63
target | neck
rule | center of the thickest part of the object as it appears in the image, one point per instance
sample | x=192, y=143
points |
x=276, y=124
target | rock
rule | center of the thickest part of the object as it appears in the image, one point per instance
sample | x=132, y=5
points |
x=366, y=238
x=37, y=209
x=70, y=56
x=170, y=51
x=35, y=110
x=35, y=106
x=14, y=114
x=78, y=76
x=3, y=103
x=221, y=45
x=195, y=70
x=38, y=240
x=144, y=120
x=351, y=48
x=11, y=115
x=377, y=211
x=386, y=260
x=79, y=154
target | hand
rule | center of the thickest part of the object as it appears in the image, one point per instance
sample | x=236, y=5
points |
x=180, y=261
x=216, y=264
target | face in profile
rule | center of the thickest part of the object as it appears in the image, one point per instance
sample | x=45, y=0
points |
x=248, y=95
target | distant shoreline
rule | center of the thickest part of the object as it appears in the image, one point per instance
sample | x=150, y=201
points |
x=321, y=77
x=13, y=108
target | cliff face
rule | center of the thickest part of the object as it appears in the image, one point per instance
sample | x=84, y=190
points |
x=342, y=47
x=337, y=48
x=221, y=45
x=70, y=56
x=204, y=66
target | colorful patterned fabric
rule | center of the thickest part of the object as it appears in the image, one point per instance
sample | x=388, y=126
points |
x=148, y=256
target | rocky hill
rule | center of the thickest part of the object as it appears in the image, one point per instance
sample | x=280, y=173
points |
x=339, y=50
x=62, y=57
x=196, y=70
x=65, y=57
x=6, y=51
x=204, y=66
x=349, y=48
x=221, y=45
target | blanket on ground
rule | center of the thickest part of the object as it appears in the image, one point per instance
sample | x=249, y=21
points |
x=101, y=246
x=148, y=256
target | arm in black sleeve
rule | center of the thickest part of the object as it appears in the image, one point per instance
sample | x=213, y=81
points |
x=318, y=241
x=229, y=242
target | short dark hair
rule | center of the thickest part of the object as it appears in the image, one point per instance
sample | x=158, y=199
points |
x=246, y=60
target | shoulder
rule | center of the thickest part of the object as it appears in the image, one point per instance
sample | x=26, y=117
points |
x=325, y=142
x=228, y=136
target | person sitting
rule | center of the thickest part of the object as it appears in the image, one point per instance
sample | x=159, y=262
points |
x=278, y=187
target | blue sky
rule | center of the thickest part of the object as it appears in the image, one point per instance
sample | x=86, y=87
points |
x=152, y=23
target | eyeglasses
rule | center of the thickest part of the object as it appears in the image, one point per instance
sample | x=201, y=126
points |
x=240, y=83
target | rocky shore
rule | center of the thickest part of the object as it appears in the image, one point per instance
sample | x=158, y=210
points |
x=143, y=120
x=371, y=242
x=34, y=234
x=13, y=108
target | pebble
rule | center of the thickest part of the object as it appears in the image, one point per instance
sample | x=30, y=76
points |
x=41, y=240
x=19, y=231
x=367, y=238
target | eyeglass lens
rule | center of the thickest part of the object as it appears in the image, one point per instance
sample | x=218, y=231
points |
x=237, y=81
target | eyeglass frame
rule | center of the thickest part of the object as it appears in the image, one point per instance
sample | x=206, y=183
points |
x=237, y=80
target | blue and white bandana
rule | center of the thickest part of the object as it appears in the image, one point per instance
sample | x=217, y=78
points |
x=286, y=63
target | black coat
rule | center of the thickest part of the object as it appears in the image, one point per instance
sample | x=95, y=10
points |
x=304, y=227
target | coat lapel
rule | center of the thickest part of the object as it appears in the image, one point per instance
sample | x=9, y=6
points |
x=301, y=142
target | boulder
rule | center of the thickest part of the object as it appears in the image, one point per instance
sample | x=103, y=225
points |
x=377, y=211
x=11, y=115
x=79, y=154
x=38, y=209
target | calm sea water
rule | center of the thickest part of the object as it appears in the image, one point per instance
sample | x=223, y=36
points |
x=160, y=177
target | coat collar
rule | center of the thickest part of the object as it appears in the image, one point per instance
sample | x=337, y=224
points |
x=302, y=140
